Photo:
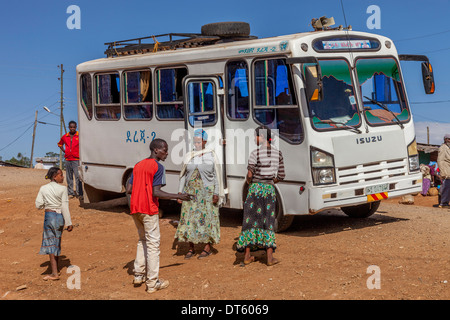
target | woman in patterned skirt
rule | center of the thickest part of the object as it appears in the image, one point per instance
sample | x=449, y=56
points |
x=265, y=168
x=200, y=177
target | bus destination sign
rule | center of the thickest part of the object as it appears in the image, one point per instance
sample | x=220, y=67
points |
x=346, y=44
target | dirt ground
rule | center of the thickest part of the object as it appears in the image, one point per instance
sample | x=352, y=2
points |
x=326, y=256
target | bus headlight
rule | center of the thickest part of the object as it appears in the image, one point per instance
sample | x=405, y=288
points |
x=322, y=164
x=413, y=156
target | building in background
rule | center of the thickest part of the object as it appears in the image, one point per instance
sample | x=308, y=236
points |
x=427, y=152
x=49, y=162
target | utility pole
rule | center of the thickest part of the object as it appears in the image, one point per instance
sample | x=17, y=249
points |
x=32, y=144
x=428, y=135
x=61, y=117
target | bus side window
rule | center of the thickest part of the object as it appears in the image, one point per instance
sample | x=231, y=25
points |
x=107, y=102
x=138, y=95
x=169, y=93
x=201, y=103
x=273, y=83
x=86, y=94
x=275, y=103
x=237, y=90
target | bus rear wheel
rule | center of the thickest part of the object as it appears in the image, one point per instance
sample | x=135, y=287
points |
x=282, y=221
x=127, y=183
x=363, y=210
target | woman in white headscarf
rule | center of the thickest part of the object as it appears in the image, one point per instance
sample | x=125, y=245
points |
x=201, y=178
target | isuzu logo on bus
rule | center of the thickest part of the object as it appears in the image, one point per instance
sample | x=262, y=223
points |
x=369, y=139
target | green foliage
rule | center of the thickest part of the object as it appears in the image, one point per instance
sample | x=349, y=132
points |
x=20, y=161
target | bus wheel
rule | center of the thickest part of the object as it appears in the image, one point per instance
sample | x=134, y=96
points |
x=126, y=187
x=226, y=29
x=363, y=210
x=282, y=222
x=91, y=195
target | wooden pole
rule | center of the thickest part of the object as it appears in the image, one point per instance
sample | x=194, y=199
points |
x=61, y=117
x=32, y=144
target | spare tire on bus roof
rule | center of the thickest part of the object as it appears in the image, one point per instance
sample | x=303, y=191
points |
x=226, y=29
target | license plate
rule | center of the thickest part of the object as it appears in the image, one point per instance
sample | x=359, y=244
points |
x=377, y=189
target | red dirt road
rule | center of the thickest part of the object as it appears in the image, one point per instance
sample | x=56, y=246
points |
x=325, y=256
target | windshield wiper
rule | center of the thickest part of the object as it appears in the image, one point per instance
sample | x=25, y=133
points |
x=342, y=124
x=387, y=109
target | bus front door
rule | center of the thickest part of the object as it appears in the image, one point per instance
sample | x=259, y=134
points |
x=204, y=111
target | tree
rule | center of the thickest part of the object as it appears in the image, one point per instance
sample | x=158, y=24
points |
x=52, y=154
x=20, y=161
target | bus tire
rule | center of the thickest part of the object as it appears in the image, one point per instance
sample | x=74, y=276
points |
x=91, y=194
x=282, y=221
x=363, y=210
x=126, y=188
x=226, y=29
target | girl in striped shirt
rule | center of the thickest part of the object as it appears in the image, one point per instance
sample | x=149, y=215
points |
x=265, y=168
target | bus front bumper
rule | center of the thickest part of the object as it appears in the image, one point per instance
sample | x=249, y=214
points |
x=355, y=194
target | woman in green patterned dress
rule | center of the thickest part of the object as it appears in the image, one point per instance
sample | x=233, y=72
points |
x=200, y=177
x=265, y=168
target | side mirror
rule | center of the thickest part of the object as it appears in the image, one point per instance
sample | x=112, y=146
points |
x=428, y=78
x=313, y=79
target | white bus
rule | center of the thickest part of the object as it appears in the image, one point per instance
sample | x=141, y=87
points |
x=335, y=97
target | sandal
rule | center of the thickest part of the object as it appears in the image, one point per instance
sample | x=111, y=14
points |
x=247, y=262
x=189, y=255
x=204, y=254
x=273, y=262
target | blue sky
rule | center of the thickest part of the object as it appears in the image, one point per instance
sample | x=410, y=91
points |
x=35, y=40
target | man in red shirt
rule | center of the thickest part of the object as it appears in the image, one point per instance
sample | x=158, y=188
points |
x=145, y=187
x=69, y=144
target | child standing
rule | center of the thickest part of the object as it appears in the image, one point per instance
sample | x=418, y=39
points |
x=53, y=198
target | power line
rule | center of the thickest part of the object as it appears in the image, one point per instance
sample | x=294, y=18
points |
x=428, y=102
x=7, y=121
x=424, y=36
x=10, y=130
x=438, y=50
x=429, y=119
x=17, y=137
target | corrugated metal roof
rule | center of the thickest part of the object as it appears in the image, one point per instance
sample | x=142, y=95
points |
x=427, y=148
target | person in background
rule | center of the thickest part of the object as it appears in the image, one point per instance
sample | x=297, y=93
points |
x=426, y=176
x=199, y=219
x=69, y=144
x=39, y=165
x=443, y=161
x=434, y=172
x=265, y=168
x=145, y=187
x=53, y=198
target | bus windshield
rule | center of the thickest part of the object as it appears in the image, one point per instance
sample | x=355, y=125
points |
x=338, y=108
x=382, y=91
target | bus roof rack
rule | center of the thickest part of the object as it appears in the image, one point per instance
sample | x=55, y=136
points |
x=226, y=32
x=141, y=45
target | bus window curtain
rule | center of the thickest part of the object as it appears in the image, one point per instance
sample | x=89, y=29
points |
x=145, y=84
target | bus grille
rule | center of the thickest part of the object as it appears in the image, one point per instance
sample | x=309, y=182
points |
x=372, y=171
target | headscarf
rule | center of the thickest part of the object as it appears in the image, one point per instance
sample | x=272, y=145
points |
x=201, y=133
